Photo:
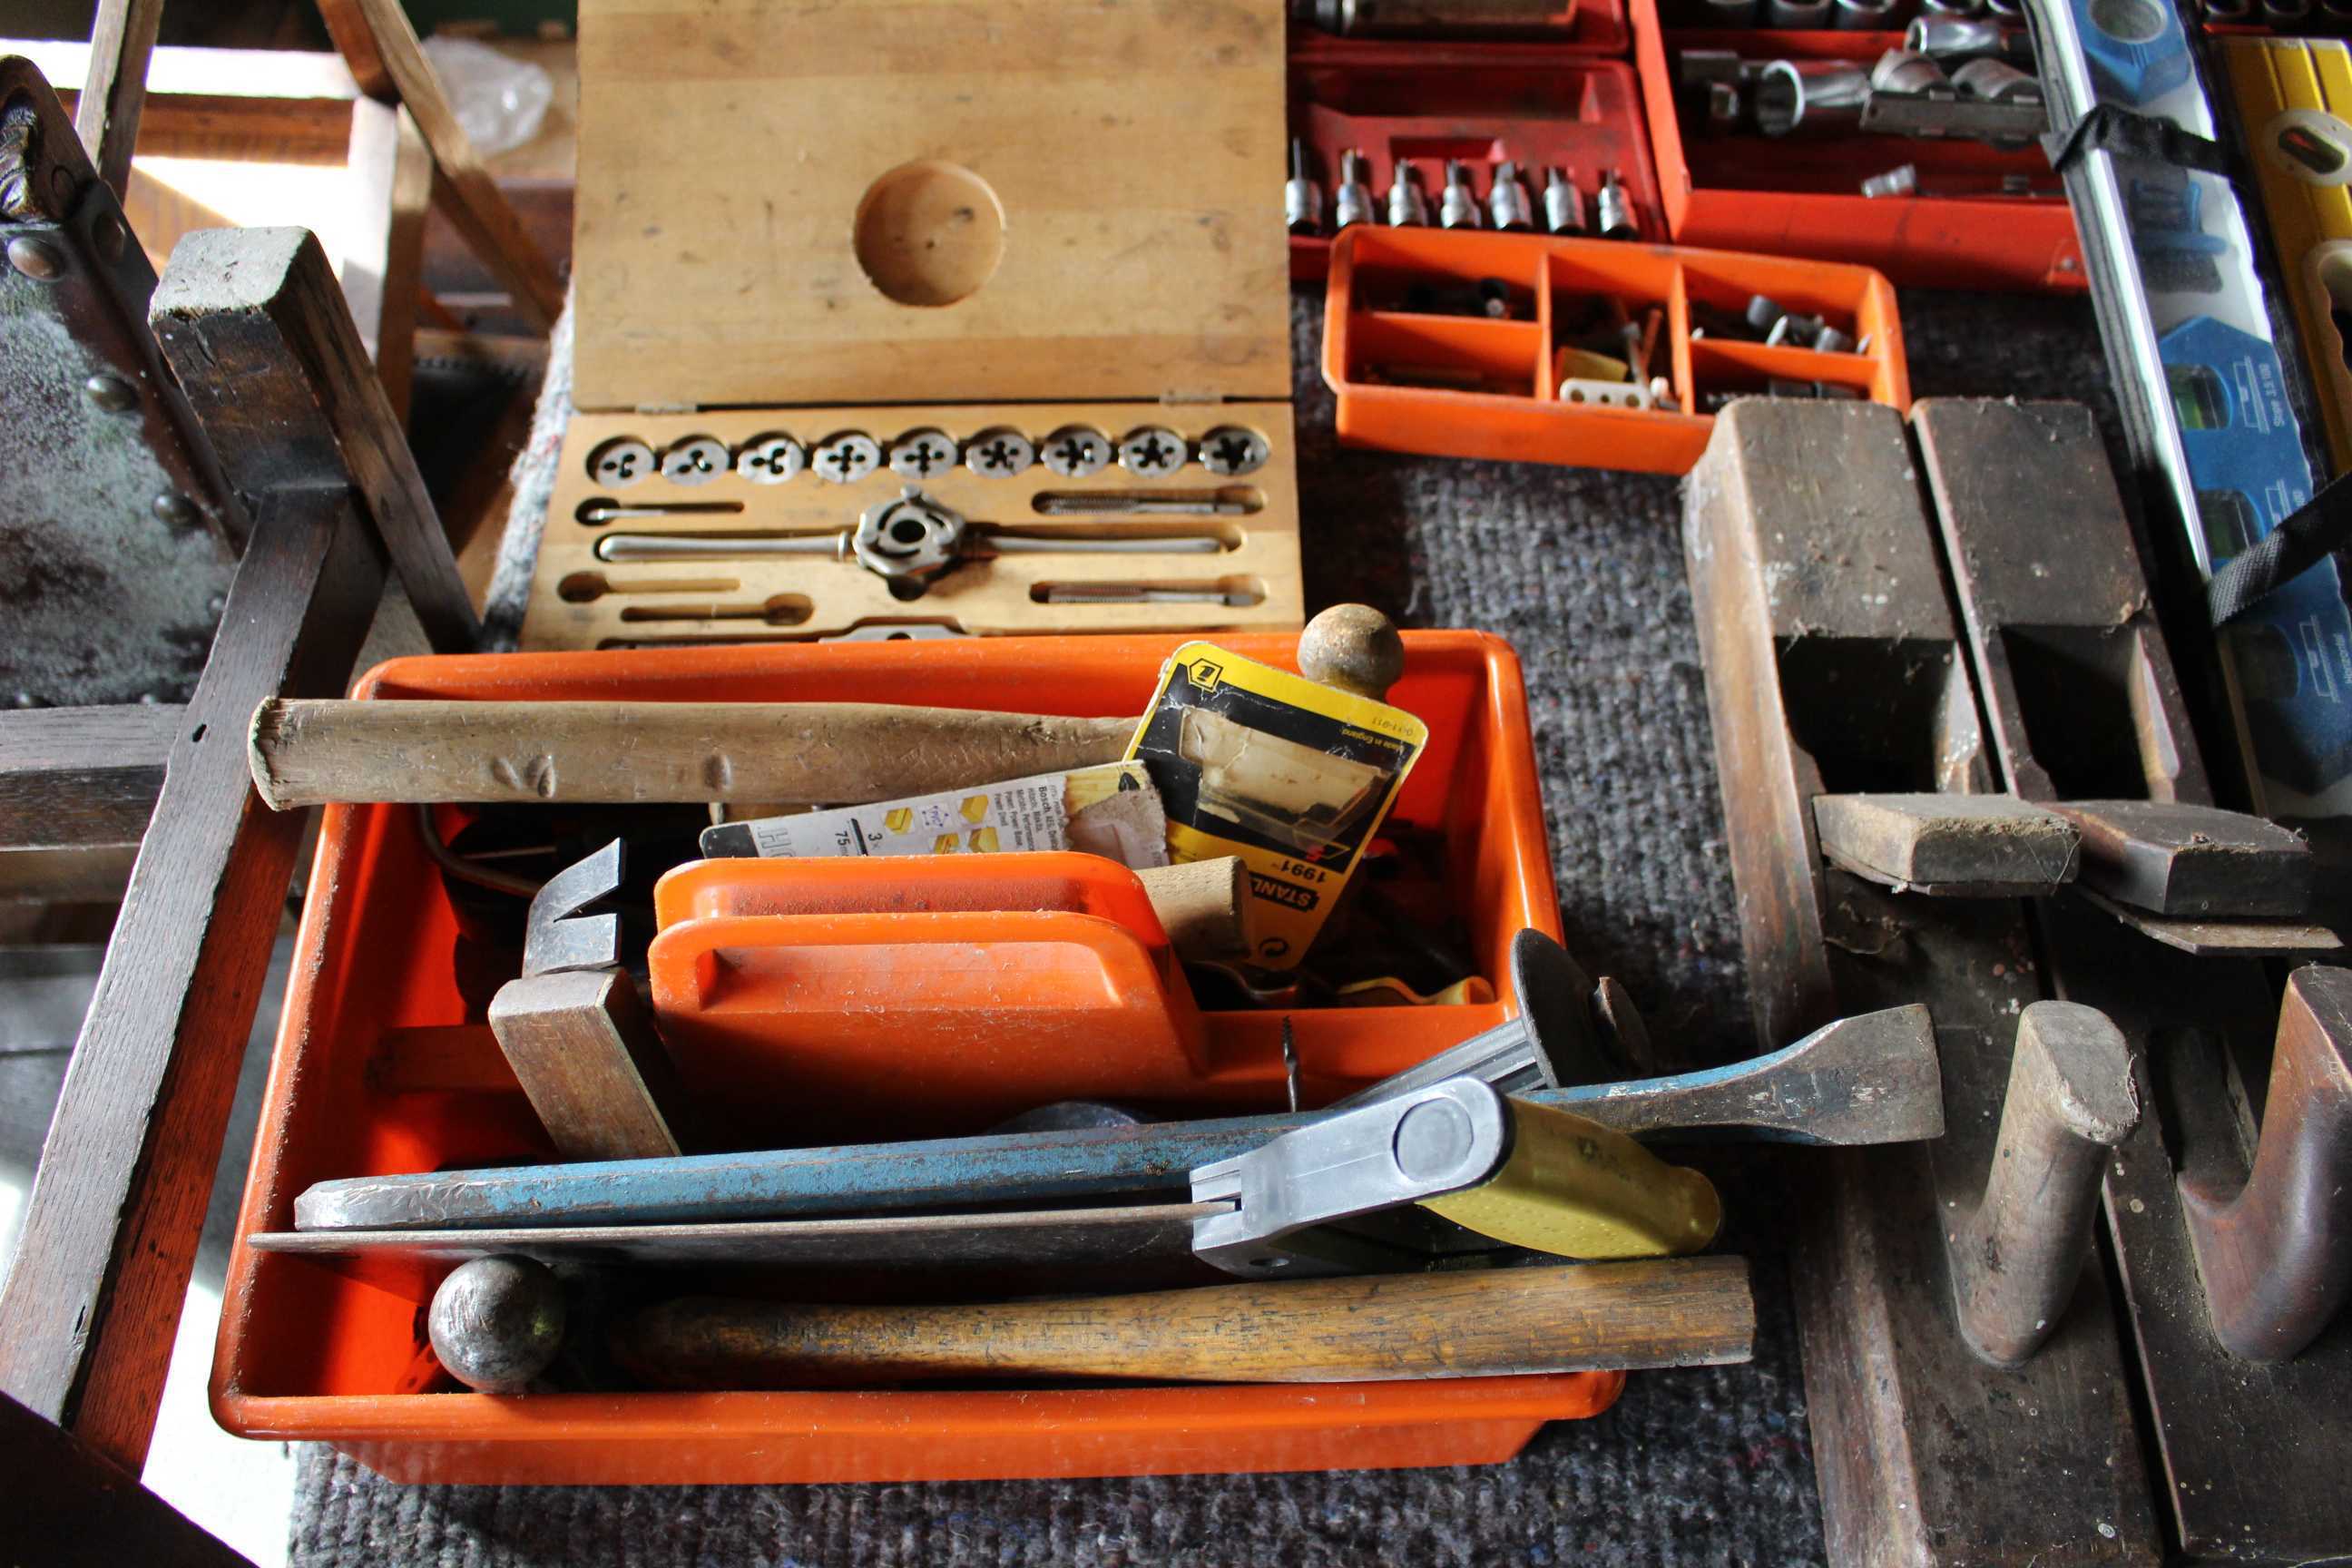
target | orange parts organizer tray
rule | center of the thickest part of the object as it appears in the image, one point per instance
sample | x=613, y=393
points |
x=308, y=1352
x=1391, y=368
x=1799, y=195
x=1421, y=102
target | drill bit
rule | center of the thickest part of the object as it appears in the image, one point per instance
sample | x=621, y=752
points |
x=1407, y=207
x=1506, y=199
x=1614, y=209
x=1352, y=199
x=1457, y=207
x=1563, y=204
x=1302, y=198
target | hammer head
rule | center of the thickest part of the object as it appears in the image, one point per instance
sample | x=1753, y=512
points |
x=556, y=936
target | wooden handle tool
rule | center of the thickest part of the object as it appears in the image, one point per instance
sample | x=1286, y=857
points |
x=2017, y=1257
x=1691, y=1311
x=308, y=752
x=1202, y=904
x=791, y=753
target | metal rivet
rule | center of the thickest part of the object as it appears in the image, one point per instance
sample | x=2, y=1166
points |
x=106, y=231
x=36, y=257
x=176, y=509
x=61, y=187
x=110, y=393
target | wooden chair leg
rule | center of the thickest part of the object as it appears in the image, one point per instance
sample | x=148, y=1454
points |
x=394, y=170
x=107, y=117
x=251, y=325
x=378, y=43
x=88, y=1311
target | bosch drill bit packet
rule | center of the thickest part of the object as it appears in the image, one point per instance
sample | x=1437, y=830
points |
x=1289, y=775
x=1111, y=810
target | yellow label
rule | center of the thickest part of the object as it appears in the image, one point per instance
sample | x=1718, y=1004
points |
x=1109, y=809
x=1291, y=775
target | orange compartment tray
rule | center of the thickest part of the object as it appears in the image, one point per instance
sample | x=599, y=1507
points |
x=1518, y=415
x=309, y=1353
x=1799, y=196
x=848, y=885
x=840, y=1027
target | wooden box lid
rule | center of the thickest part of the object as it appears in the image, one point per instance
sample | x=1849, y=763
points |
x=1070, y=199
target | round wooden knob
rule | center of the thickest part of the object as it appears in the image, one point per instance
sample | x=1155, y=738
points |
x=498, y=1322
x=1354, y=647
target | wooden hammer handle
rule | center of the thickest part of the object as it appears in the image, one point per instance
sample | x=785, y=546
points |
x=795, y=753
x=1682, y=1311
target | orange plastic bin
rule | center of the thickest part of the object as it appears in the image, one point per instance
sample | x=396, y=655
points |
x=308, y=1352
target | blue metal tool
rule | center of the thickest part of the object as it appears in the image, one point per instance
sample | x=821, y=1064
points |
x=1866, y=1079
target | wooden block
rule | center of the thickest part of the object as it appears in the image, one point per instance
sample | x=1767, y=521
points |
x=1958, y=846
x=255, y=324
x=1805, y=660
x=2173, y=857
x=584, y=1047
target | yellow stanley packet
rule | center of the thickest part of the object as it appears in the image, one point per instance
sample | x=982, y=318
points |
x=1291, y=775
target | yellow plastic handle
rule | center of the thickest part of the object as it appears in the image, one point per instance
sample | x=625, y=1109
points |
x=1578, y=1189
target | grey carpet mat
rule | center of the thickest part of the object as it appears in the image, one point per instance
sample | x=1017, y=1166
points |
x=1583, y=570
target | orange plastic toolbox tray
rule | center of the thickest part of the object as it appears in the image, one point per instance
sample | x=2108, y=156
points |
x=1798, y=196
x=1523, y=419
x=307, y=1352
